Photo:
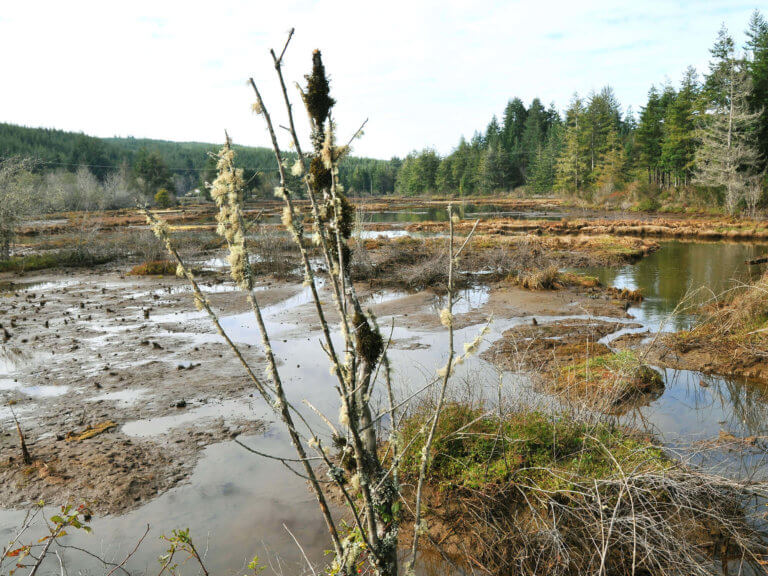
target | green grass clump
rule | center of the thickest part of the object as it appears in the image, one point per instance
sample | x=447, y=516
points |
x=58, y=259
x=474, y=449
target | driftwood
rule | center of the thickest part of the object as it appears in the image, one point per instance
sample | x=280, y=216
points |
x=756, y=261
x=25, y=455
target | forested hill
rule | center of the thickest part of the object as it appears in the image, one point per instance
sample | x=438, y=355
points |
x=188, y=162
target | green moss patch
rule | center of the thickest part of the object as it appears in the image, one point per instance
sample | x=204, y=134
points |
x=473, y=449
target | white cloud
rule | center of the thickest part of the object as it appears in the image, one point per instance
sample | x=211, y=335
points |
x=422, y=72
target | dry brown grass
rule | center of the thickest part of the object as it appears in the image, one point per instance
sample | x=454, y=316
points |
x=693, y=228
x=542, y=279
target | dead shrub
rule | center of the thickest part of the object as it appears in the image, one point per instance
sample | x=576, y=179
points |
x=273, y=253
x=142, y=244
x=543, y=279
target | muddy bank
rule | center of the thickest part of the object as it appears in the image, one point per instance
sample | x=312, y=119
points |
x=699, y=353
x=728, y=337
x=82, y=349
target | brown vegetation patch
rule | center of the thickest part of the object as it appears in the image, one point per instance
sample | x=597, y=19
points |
x=567, y=359
x=406, y=203
x=536, y=346
x=531, y=261
x=730, y=339
x=690, y=228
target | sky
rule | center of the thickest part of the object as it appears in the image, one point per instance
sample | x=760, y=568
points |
x=423, y=73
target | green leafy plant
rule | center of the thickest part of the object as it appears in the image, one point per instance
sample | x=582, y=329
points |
x=181, y=544
x=68, y=517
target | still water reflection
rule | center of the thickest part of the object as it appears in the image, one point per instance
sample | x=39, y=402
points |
x=678, y=269
x=464, y=210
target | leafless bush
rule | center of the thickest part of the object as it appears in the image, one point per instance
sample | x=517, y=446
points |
x=670, y=522
x=17, y=200
x=368, y=485
x=142, y=245
x=274, y=253
x=118, y=191
x=361, y=263
x=405, y=262
x=61, y=191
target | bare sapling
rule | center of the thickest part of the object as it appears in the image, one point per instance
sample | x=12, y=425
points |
x=365, y=480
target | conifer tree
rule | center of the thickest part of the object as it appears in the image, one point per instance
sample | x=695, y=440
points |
x=757, y=65
x=572, y=164
x=543, y=170
x=678, y=148
x=495, y=169
x=729, y=157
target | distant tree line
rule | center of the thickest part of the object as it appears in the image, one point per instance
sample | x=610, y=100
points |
x=708, y=139
x=175, y=168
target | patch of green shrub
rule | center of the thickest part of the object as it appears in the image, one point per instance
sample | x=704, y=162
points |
x=163, y=199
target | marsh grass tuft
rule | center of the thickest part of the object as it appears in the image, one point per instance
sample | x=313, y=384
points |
x=610, y=379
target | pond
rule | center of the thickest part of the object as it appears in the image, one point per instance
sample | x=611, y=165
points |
x=696, y=407
x=468, y=210
x=684, y=272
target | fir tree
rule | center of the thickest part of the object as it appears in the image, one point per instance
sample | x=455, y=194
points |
x=729, y=157
x=572, y=163
x=757, y=65
x=678, y=149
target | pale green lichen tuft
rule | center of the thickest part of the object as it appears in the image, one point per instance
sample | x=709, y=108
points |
x=446, y=318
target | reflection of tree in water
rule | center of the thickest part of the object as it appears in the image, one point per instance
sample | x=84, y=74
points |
x=680, y=268
x=737, y=446
x=743, y=406
x=746, y=403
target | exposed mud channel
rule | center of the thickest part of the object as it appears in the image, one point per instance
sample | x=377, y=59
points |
x=118, y=383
